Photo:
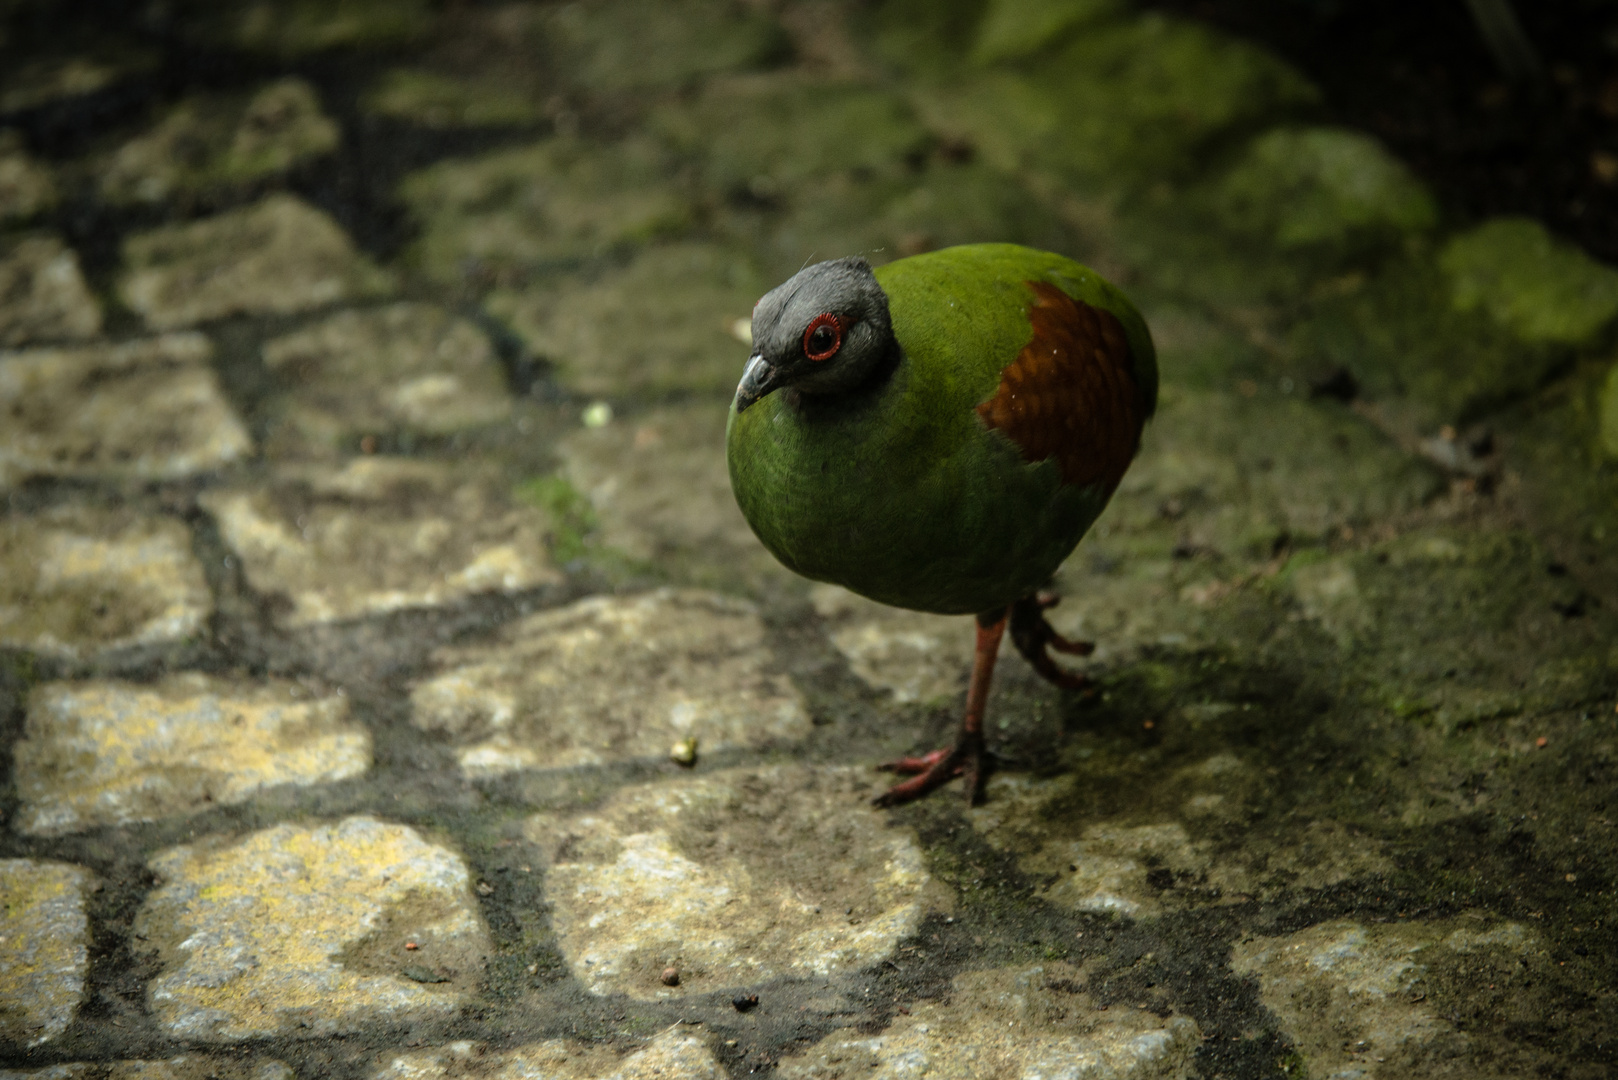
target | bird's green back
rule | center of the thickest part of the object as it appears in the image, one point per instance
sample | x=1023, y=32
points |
x=903, y=494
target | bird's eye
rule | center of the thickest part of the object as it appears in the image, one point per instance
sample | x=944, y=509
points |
x=823, y=337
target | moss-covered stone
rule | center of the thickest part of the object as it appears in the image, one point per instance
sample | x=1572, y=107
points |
x=885, y=216
x=276, y=257
x=661, y=323
x=27, y=188
x=205, y=144
x=1608, y=414
x=1401, y=336
x=1323, y=187
x=1542, y=291
x=444, y=101
x=554, y=202
x=1398, y=609
x=43, y=296
x=1013, y=29
x=58, y=77
x=1124, y=101
x=295, y=28
x=769, y=134
x=622, y=45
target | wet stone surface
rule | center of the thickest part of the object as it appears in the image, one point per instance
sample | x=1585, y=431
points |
x=43, y=947
x=612, y=679
x=390, y=686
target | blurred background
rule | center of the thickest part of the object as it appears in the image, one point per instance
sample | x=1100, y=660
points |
x=389, y=685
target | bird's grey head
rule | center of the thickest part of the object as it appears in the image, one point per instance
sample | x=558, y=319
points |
x=824, y=331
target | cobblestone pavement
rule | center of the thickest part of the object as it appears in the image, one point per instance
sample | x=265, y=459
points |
x=390, y=688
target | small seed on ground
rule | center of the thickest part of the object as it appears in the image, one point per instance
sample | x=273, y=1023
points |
x=670, y=976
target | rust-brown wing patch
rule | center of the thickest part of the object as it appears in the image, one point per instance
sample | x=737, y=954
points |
x=1071, y=393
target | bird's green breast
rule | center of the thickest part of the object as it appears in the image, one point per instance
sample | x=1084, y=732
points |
x=900, y=492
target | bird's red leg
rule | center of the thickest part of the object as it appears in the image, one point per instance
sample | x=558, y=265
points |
x=1033, y=635
x=966, y=756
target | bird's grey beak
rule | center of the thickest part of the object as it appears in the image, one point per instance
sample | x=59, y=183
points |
x=758, y=380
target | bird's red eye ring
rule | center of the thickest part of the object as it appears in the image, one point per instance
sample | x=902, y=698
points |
x=823, y=337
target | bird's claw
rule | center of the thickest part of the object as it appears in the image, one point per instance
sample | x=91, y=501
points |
x=1034, y=635
x=934, y=770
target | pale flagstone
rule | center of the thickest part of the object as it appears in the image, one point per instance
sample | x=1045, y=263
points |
x=555, y=201
x=76, y=581
x=276, y=257
x=611, y=678
x=184, y=1067
x=405, y=366
x=43, y=296
x=208, y=142
x=660, y=489
x=911, y=654
x=26, y=186
x=661, y=323
x=1029, y=1023
x=380, y=534
x=105, y=752
x=1372, y=1001
x=148, y=409
x=300, y=931
x=673, y=1055
x=733, y=878
x=1106, y=866
x=44, y=940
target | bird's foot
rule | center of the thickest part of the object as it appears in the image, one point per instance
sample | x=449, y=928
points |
x=934, y=770
x=1034, y=636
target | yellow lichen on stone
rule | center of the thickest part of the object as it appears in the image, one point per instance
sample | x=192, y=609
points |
x=43, y=948
x=745, y=875
x=108, y=753
x=301, y=931
x=79, y=580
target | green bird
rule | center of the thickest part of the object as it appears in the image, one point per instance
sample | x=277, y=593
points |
x=937, y=434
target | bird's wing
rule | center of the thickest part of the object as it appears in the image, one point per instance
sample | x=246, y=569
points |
x=1071, y=394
